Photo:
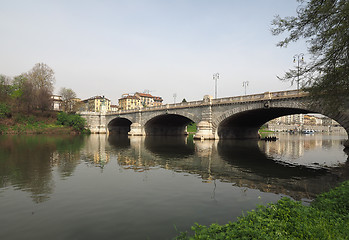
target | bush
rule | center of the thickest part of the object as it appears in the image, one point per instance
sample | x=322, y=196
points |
x=3, y=129
x=72, y=120
x=5, y=110
x=326, y=218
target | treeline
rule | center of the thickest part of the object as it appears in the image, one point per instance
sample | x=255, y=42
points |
x=28, y=91
x=26, y=104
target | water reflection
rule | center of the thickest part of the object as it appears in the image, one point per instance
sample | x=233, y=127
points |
x=26, y=162
x=297, y=166
x=250, y=164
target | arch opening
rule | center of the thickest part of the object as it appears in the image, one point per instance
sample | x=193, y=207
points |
x=120, y=126
x=245, y=125
x=167, y=125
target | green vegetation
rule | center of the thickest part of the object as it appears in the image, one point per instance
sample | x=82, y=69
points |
x=25, y=103
x=264, y=129
x=191, y=128
x=4, y=110
x=326, y=218
x=41, y=122
x=75, y=121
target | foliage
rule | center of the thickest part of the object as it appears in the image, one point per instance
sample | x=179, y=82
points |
x=191, y=127
x=326, y=218
x=3, y=129
x=5, y=110
x=67, y=96
x=5, y=88
x=76, y=121
x=324, y=25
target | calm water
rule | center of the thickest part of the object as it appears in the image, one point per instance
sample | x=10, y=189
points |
x=101, y=187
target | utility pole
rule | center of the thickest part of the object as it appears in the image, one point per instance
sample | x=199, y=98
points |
x=300, y=59
x=245, y=84
x=215, y=78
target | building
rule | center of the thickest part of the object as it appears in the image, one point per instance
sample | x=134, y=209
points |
x=157, y=101
x=114, y=108
x=97, y=104
x=310, y=120
x=71, y=105
x=139, y=100
x=146, y=99
x=128, y=102
x=56, y=102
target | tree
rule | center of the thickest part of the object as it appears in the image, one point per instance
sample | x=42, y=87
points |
x=37, y=87
x=67, y=97
x=184, y=100
x=5, y=88
x=324, y=25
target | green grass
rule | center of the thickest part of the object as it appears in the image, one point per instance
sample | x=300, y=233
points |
x=326, y=218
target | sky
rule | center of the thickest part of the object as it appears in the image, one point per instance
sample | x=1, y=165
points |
x=167, y=47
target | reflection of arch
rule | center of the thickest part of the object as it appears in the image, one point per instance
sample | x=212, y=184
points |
x=166, y=125
x=119, y=126
x=169, y=147
x=119, y=142
x=246, y=155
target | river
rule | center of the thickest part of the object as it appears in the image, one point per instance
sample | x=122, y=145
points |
x=119, y=187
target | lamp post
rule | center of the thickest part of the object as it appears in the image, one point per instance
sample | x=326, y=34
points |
x=215, y=78
x=174, y=97
x=300, y=59
x=245, y=84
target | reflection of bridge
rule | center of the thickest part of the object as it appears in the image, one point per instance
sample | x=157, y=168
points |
x=224, y=118
x=242, y=163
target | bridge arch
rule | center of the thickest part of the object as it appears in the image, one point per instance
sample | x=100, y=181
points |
x=166, y=125
x=119, y=125
x=244, y=121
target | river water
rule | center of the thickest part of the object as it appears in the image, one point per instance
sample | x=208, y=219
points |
x=99, y=187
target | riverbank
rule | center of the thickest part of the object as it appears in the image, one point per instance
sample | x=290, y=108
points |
x=327, y=217
x=37, y=123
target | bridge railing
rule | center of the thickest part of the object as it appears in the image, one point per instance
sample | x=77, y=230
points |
x=245, y=98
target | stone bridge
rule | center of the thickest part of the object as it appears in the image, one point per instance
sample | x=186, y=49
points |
x=223, y=118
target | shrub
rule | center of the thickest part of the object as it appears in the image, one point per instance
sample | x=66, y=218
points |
x=3, y=129
x=326, y=218
x=5, y=110
x=75, y=121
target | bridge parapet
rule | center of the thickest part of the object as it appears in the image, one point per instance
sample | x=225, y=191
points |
x=237, y=99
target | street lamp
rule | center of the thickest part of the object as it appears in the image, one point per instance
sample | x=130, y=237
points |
x=300, y=59
x=174, y=97
x=215, y=78
x=245, y=84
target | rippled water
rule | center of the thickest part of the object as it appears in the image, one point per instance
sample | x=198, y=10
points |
x=100, y=187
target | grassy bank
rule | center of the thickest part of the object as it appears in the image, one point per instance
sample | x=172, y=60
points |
x=42, y=123
x=327, y=217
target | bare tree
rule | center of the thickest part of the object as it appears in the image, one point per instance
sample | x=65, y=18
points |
x=67, y=97
x=39, y=81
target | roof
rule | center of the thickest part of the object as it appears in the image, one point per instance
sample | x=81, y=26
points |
x=97, y=97
x=129, y=97
x=144, y=95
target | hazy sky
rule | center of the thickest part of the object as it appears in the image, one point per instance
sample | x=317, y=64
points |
x=165, y=46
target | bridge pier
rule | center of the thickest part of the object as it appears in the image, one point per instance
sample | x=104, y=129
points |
x=346, y=144
x=136, y=130
x=204, y=131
